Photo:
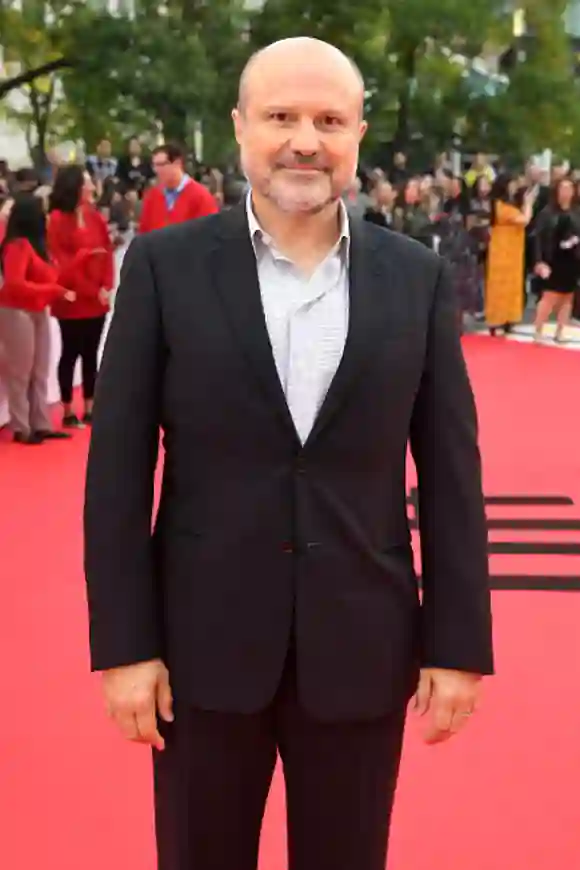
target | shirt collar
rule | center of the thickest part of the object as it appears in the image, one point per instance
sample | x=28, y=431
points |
x=175, y=190
x=258, y=234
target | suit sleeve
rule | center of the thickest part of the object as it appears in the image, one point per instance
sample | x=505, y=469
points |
x=456, y=611
x=119, y=565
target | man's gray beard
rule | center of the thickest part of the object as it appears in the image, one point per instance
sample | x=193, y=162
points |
x=315, y=209
x=282, y=202
x=265, y=191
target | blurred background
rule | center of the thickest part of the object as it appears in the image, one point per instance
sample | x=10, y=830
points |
x=442, y=75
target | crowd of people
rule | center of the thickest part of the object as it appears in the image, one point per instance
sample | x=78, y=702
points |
x=57, y=243
x=507, y=239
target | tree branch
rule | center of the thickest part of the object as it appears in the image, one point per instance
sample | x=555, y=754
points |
x=30, y=75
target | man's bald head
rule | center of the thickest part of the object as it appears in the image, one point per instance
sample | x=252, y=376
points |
x=304, y=50
x=299, y=123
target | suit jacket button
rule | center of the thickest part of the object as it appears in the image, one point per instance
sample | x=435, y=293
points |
x=300, y=467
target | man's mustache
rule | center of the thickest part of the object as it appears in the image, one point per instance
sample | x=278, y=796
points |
x=300, y=161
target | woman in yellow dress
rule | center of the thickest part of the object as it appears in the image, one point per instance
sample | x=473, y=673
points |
x=504, y=289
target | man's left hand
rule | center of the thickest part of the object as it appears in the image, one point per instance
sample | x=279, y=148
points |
x=449, y=699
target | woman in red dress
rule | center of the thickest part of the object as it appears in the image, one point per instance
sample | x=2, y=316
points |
x=28, y=284
x=79, y=243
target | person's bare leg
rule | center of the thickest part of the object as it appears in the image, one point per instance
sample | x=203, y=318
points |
x=564, y=313
x=545, y=307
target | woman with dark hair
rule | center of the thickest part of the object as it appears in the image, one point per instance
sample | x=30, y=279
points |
x=29, y=283
x=382, y=197
x=133, y=169
x=456, y=199
x=557, y=240
x=115, y=208
x=412, y=215
x=505, y=262
x=457, y=246
x=79, y=243
x=479, y=225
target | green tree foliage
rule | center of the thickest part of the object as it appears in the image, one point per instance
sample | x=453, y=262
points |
x=169, y=66
x=162, y=70
x=540, y=107
x=406, y=50
x=362, y=30
x=421, y=59
x=32, y=45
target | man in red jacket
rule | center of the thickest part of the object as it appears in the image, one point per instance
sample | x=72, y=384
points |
x=176, y=197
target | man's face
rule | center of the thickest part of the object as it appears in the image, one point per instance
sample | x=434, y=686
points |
x=400, y=160
x=104, y=149
x=385, y=194
x=134, y=148
x=168, y=174
x=299, y=132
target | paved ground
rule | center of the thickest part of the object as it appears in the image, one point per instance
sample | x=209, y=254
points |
x=524, y=332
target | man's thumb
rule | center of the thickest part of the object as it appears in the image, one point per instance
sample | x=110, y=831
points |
x=423, y=695
x=165, y=700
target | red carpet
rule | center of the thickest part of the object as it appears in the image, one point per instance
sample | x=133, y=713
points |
x=503, y=795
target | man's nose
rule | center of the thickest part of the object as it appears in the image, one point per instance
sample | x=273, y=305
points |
x=305, y=138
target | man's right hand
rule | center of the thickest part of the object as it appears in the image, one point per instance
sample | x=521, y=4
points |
x=134, y=695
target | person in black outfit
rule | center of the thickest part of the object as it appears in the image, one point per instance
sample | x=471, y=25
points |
x=134, y=171
x=399, y=173
x=479, y=225
x=276, y=601
x=413, y=214
x=534, y=182
x=380, y=211
x=557, y=238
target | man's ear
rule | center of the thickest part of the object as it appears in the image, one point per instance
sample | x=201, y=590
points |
x=238, y=121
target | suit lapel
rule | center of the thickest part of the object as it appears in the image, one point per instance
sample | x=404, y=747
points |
x=368, y=283
x=236, y=278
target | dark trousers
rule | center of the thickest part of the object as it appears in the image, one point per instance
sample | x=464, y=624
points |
x=80, y=338
x=212, y=781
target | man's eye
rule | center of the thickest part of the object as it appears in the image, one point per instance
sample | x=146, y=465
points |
x=281, y=117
